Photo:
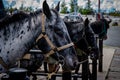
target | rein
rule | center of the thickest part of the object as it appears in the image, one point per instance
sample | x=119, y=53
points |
x=53, y=47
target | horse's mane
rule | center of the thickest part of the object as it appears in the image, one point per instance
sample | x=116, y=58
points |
x=9, y=19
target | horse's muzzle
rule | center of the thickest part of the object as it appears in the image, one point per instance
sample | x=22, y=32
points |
x=76, y=64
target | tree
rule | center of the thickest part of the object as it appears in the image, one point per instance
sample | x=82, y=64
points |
x=63, y=7
x=88, y=4
x=71, y=6
x=2, y=10
x=88, y=9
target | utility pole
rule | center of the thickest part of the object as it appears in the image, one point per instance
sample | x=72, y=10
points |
x=75, y=6
x=100, y=64
x=98, y=6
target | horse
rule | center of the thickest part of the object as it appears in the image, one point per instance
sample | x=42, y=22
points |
x=83, y=38
x=21, y=31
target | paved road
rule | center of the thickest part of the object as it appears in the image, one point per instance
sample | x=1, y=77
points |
x=113, y=37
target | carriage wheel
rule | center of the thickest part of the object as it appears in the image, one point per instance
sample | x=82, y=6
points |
x=100, y=64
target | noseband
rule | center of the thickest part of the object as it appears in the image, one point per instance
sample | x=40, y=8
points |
x=54, y=49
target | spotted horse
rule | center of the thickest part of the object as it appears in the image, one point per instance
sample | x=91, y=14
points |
x=44, y=27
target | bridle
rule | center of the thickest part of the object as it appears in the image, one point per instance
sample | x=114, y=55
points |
x=54, y=49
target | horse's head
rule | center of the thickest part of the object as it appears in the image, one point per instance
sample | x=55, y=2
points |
x=81, y=34
x=57, y=41
x=76, y=30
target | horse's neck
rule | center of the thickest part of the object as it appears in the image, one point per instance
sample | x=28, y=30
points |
x=18, y=38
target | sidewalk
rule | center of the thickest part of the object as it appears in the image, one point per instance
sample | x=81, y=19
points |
x=114, y=69
x=108, y=52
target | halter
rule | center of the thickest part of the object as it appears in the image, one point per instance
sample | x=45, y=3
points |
x=54, y=49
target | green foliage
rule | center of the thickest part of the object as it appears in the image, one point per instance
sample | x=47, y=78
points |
x=88, y=4
x=64, y=10
x=85, y=11
x=71, y=6
x=116, y=13
x=27, y=9
x=11, y=9
x=63, y=7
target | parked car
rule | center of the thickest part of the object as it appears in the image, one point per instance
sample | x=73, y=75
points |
x=75, y=17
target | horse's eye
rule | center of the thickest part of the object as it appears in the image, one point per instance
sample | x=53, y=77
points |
x=59, y=32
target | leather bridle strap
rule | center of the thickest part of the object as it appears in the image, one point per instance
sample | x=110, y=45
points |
x=52, y=51
x=65, y=46
x=53, y=48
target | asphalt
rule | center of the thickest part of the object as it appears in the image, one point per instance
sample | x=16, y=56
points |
x=113, y=37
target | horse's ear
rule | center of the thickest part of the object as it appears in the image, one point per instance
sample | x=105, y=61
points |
x=86, y=22
x=46, y=9
x=57, y=8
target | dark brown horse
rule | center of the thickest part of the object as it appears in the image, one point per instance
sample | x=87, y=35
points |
x=83, y=37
